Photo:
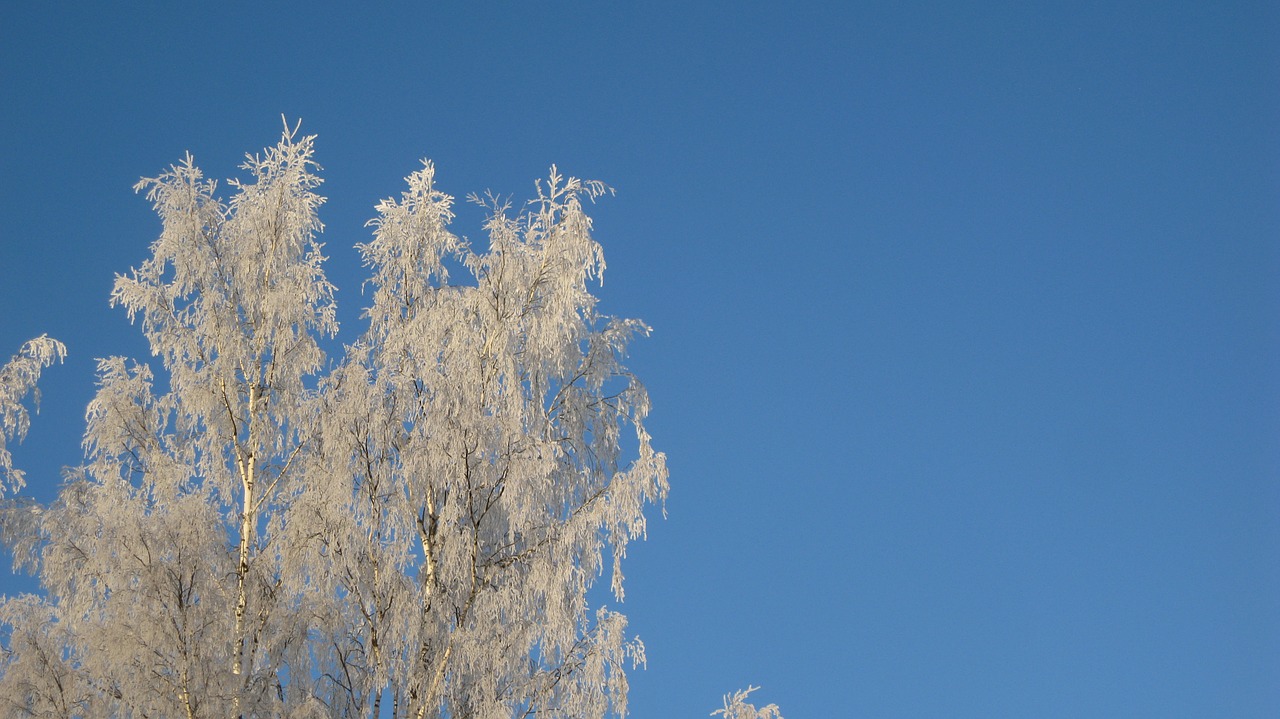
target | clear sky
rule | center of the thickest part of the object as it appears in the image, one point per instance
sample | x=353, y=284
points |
x=967, y=320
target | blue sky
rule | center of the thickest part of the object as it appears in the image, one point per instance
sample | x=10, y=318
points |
x=966, y=318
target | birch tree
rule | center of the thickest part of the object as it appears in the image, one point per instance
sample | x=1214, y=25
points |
x=409, y=529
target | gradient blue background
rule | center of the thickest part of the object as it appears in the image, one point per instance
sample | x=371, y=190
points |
x=967, y=320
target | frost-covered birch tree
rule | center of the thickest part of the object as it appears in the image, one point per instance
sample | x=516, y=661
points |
x=408, y=530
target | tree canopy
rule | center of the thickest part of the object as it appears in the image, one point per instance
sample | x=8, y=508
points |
x=408, y=530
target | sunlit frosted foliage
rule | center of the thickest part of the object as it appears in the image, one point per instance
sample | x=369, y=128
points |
x=410, y=530
x=736, y=706
x=18, y=379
